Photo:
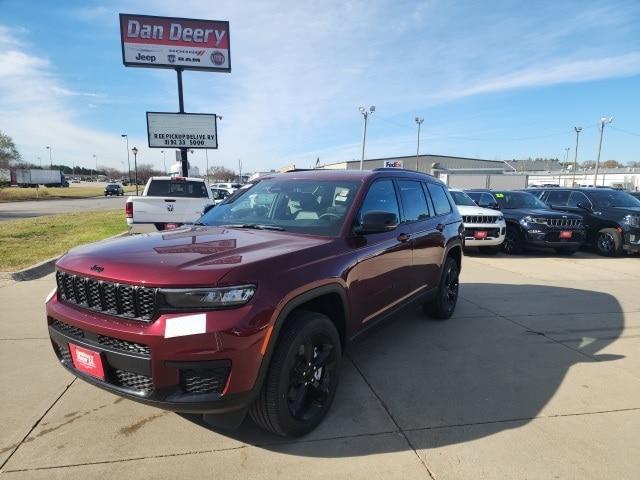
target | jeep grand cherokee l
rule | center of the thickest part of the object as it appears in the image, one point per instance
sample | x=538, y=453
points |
x=484, y=228
x=611, y=217
x=249, y=309
x=531, y=223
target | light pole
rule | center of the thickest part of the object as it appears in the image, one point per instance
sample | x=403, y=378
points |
x=206, y=156
x=365, y=113
x=566, y=155
x=240, y=171
x=128, y=161
x=135, y=166
x=96, y=159
x=164, y=161
x=419, y=122
x=50, y=161
x=40, y=160
x=575, y=158
x=603, y=121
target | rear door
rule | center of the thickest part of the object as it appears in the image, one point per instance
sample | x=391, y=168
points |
x=420, y=222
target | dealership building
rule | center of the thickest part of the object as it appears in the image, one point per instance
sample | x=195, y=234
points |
x=432, y=164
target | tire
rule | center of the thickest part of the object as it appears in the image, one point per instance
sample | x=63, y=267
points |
x=443, y=306
x=296, y=394
x=566, y=252
x=513, y=243
x=493, y=250
x=609, y=242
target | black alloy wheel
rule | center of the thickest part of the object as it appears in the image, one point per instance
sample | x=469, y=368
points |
x=443, y=306
x=513, y=243
x=302, y=379
x=608, y=242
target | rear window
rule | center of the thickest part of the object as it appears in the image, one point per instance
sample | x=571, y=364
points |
x=173, y=188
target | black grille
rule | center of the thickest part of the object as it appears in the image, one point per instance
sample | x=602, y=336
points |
x=480, y=218
x=133, y=381
x=67, y=329
x=560, y=222
x=126, y=301
x=124, y=345
x=211, y=380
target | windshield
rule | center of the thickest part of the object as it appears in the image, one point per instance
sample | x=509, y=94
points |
x=613, y=198
x=314, y=207
x=509, y=200
x=462, y=199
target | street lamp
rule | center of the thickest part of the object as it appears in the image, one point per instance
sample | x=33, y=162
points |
x=575, y=158
x=603, y=121
x=96, y=159
x=365, y=113
x=128, y=161
x=419, y=122
x=50, y=161
x=135, y=166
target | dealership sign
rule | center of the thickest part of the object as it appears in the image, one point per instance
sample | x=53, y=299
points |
x=167, y=42
x=182, y=130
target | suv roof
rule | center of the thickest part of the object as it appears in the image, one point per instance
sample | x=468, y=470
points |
x=330, y=174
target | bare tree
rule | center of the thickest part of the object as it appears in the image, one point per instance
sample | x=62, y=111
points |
x=221, y=174
x=8, y=152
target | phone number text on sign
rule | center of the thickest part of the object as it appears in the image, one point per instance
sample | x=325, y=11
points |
x=187, y=130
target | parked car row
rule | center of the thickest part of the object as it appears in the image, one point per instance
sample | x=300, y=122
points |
x=560, y=218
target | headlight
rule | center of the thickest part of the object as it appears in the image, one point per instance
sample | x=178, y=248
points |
x=206, y=298
x=632, y=220
x=525, y=220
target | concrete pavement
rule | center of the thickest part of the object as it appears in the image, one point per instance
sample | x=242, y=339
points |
x=536, y=376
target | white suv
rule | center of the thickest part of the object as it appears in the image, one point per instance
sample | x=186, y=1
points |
x=484, y=228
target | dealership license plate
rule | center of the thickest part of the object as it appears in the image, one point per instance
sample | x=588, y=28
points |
x=87, y=361
x=566, y=234
x=480, y=234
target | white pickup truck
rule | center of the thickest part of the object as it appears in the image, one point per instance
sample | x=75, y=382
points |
x=168, y=202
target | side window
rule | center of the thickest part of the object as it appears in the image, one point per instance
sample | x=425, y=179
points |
x=414, y=202
x=556, y=197
x=440, y=200
x=381, y=197
x=576, y=198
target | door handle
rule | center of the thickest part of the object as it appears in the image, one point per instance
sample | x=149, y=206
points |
x=403, y=237
x=440, y=227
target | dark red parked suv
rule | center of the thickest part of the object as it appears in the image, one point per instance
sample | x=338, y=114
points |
x=249, y=310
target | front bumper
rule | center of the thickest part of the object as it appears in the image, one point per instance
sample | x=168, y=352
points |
x=551, y=238
x=495, y=233
x=632, y=241
x=211, y=372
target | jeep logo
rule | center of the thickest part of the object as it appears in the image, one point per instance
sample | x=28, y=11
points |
x=146, y=58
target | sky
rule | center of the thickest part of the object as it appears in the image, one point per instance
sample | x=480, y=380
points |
x=494, y=80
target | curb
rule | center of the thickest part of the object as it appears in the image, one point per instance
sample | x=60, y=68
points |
x=45, y=267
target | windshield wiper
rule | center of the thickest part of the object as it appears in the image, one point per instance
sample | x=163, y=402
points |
x=256, y=226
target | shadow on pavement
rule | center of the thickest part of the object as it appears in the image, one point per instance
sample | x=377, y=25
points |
x=477, y=368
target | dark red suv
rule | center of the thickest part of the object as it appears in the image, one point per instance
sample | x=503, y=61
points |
x=249, y=310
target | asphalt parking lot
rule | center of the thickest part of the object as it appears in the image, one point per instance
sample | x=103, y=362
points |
x=536, y=376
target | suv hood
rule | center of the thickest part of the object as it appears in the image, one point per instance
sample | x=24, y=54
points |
x=468, y=210
x=193, y=256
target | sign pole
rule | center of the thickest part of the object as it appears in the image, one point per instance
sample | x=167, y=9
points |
x=183, y=151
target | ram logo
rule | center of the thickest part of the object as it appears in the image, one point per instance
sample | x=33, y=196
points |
x=170, y=207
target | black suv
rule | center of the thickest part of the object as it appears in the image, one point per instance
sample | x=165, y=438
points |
x=113, y=189
x=531, y=223
x=611, y=217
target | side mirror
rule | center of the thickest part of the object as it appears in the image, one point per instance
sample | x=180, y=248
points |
x=207, y=208
x=584, y=206
x=378, y=222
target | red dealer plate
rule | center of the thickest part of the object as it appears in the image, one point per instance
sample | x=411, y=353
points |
x=87, y=361
x=566, y=234
x=480, y=234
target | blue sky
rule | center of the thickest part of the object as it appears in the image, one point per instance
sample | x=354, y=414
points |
x=496, y=79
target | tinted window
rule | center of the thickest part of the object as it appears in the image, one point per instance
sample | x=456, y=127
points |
x=170, y=188
x=462, y=199
x=555, y=197
x=576, y=198
x=613, y=198
x=414, y=202
x=439, y=197
x=381, y=197
x=509, y=200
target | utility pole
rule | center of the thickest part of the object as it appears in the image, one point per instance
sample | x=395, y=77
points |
x=566, y=156
x=96, y=159
x=603, y=121
x=575, y=158
x=419, y=122
x=128, y=161
x=365, y=113
x=240, y=171
x=135, y=165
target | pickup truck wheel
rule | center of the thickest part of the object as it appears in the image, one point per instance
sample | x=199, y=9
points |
x=609, y=242
x=513, y=243
x=302, y=378
x=443, y=306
